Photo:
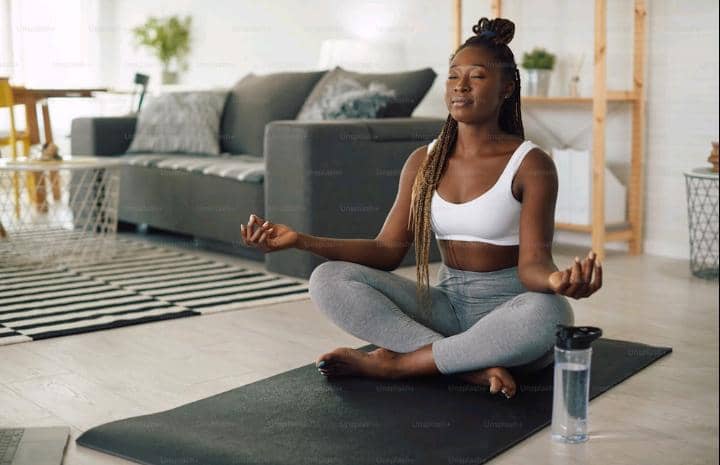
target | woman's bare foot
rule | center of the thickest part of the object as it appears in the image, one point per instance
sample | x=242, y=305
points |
x=345, y=361
x=378, y=363
x=498, y=378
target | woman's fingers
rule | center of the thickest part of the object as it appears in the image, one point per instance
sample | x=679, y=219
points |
x=575, y=277
x=565, y=283
x=253, y=222
x=255, y=228
x=259, y=232
x=263, y=240
x=588, y=266
x=597, y=281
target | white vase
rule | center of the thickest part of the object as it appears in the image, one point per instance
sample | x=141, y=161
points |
x=538, y=82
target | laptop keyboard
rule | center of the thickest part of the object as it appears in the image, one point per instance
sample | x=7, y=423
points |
x=9, y=440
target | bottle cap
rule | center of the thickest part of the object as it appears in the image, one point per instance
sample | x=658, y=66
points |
x=576, y=337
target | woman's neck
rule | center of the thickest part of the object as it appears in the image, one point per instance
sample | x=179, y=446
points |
x=479, y=140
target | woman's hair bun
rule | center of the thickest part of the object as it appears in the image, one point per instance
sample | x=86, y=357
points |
x=498, y=30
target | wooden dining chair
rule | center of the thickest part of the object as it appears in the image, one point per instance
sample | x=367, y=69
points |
x=11, y=138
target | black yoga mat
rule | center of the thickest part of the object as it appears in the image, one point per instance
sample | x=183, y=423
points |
x=301, y=417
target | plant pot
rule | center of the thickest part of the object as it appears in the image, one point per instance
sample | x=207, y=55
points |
x=169, y=77
x=538, y=82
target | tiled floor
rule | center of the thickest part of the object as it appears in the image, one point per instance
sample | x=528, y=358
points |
x=666, y=414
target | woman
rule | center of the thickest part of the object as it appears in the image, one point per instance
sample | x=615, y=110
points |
x=489, y=195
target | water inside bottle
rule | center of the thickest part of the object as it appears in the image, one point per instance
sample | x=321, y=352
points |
x=571, y=401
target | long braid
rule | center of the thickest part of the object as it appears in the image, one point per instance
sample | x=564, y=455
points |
x=434, y=164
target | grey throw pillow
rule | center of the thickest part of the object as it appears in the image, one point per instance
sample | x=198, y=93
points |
x=346, y=98
x=410, y=88
x=180, y=122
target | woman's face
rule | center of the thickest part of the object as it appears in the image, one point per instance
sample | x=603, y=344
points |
x=474, y=90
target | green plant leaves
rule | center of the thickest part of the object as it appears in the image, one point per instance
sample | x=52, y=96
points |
x=538, y=58
x=167, y=37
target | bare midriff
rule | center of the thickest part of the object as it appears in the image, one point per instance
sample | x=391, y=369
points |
x=468, y=255
x=478, y=256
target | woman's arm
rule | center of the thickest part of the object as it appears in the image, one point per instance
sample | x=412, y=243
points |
x=538, y=177
x=370, y=252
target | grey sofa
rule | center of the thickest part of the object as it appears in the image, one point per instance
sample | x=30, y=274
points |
x=334, y=178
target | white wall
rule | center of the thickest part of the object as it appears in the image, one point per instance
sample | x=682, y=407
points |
x=235, y=37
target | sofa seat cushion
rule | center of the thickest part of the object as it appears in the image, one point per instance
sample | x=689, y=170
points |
x=247, y=168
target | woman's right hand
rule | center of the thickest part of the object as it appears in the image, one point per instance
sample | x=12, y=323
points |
x=267, y=236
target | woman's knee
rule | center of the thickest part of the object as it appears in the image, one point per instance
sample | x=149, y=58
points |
x=333, y=283
x=330, y=272
x=548, y=310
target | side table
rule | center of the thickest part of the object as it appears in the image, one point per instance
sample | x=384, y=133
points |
x=702, y=203
x=79, y=227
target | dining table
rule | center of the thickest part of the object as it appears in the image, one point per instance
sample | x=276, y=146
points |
x=29, y=97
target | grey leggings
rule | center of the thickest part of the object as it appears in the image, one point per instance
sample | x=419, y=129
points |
x=477, y=319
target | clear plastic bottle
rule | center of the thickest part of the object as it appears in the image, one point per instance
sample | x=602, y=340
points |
x=571, y=385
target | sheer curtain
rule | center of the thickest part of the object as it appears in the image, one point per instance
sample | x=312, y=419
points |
x=55, y=44
x=51, y=44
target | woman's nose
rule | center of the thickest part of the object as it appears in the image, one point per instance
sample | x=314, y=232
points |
x=462, y=84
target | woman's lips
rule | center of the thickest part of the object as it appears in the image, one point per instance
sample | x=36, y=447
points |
x=461, y=103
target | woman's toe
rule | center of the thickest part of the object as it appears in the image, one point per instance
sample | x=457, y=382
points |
x=495, y=384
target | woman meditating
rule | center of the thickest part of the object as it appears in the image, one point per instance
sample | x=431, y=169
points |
x=489, y=196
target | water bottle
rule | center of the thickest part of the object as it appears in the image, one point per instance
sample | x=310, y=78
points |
x=571, y=387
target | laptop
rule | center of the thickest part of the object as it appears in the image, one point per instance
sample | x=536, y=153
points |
x=33, y=446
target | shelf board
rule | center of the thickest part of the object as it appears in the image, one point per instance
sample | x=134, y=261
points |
x=613, y=231
x=612, y=96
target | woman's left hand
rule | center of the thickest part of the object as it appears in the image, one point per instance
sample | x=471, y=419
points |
x=577, y=281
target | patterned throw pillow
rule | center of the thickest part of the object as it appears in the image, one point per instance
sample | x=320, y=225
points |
x=347, y=98
x=409, y=86
x=180, y=122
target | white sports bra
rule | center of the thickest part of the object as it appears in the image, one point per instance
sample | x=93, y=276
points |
x=494, y=217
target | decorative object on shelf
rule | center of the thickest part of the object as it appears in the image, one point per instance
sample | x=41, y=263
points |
x=539, y=64
x=713, y=158
x=574, y=199
x=702, y=204
x=574, y=90
x=169, y=40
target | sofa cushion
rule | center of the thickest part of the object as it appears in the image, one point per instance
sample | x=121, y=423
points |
x=180, y=122
x=410, y=87
x=258, y=99
x=346, y=98
x=248, y=168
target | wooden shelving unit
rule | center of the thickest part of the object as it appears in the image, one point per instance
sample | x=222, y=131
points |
x=630, y=231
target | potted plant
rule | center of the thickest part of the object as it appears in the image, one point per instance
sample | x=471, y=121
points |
x=169, y=40
x=539, y=64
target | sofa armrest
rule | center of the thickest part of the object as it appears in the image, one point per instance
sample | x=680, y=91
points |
x=106, y=135
x=336, y=179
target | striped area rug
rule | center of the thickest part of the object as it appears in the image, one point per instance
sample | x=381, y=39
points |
x=142, y=282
